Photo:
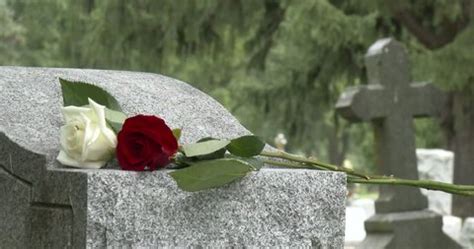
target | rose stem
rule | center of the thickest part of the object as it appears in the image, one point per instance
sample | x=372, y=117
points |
x=295, y=161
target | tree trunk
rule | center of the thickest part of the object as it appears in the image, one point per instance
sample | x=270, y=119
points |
x=338, y=141
x=89, y=5
x=462, y=142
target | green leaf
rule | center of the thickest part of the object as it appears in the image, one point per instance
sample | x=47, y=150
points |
x=206, y=139
x=210, y=174
x=246, y=146
x=214, y=155
x=115, y=119
x=256, y=163
x=204, y=148
x=77, y=94
x=181, y=161
x=177, y=133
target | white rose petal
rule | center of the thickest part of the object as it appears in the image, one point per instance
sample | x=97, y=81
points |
x=100, y=113
x=86, y=141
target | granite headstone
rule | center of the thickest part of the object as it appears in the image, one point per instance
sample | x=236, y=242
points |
x=46, y=205
x=389, y=102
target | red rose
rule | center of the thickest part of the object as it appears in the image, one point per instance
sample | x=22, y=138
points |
x=145, y=142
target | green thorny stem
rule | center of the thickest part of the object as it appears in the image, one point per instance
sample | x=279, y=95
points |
x=296, y=161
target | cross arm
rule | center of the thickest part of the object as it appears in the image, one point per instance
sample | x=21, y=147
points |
x=362, y=103
x=427, y=100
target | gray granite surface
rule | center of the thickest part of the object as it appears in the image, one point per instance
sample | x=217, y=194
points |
x=273, y=207
x=45, y=205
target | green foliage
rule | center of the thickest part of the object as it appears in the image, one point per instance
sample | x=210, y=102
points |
x=220, y=153
x=429, y=133
x=246, y=146
x=256, y=163
x=11, y=36
x=210, y=174
x=451, y=66
x=204, y=148
x=177, y=133
x=115, y=119
x=78, y=94
x=316, y=53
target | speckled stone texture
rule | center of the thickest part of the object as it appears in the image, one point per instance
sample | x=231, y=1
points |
x=273, y=207
x=45, y=205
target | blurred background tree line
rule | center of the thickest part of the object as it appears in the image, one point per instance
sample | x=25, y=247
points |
x=279, y=66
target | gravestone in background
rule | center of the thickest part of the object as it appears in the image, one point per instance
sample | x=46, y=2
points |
x=390, y=101
x=44, y=205
x=436, y=165
x=467, y=234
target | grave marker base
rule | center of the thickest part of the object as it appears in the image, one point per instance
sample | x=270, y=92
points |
x=414, y=229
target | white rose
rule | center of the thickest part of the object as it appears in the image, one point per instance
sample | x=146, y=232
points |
x=86, y=141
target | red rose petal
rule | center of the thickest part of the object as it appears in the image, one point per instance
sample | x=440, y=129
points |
x=145, y=141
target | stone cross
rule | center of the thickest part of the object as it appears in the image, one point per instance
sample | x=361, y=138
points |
x=390, y=101
x=46, y=205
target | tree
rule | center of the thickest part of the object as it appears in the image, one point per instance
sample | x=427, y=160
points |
x=11, y=36
x=316, y=52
